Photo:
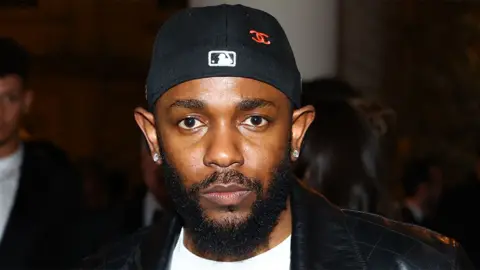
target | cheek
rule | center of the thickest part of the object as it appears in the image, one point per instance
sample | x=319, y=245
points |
x=263, y=158
x=12, y=113
x=186, y=159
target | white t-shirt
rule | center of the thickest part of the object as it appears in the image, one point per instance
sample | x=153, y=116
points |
x=277, y=258
x=9, y=179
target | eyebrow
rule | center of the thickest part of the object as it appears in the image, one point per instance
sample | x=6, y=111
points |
x=251, y=104
x=193, y=104
x=244, y=105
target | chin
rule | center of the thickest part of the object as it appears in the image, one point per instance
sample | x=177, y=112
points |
x=227, y=218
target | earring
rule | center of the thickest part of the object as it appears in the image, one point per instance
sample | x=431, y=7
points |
x=295, y=153
x=156, y=157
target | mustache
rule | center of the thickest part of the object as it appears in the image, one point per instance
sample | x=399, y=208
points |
x=225, y=178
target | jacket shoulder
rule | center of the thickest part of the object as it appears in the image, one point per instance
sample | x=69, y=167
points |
x=124, y=254
x=379, y=238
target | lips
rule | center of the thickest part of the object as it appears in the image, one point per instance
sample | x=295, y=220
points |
x=226, y=194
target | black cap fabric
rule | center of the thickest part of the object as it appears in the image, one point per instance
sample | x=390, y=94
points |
x=222, y=41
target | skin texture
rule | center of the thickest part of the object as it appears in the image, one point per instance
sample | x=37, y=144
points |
x=14, y=104
x=226, y=130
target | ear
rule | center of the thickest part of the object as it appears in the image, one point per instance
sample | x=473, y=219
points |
x=27, y=100
x=301, y=120
x=146, y=122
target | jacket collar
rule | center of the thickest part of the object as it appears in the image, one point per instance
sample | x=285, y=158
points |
x=320, y=236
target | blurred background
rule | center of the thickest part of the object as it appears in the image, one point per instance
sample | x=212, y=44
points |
x=415, y=63
x=91, y=57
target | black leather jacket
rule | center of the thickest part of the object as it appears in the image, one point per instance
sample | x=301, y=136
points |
x=324, y=237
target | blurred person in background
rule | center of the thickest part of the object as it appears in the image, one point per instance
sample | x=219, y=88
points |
x=341, y=153
x=423, y=183
x=106, y=217
x=96, y=190
x=39, y=189
x=156, y=199
x=100, y=221
x=151, y=201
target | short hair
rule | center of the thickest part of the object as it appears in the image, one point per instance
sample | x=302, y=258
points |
x=327, y=89
x=337, y=137
x=14, y=59
x=336, y=125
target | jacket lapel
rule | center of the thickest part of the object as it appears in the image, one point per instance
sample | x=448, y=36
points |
x=320, y=238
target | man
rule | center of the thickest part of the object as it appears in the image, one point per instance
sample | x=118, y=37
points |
x=226, y=137
x=147, y=207
x=39, y=193
x=422, y=182
x=156, y=199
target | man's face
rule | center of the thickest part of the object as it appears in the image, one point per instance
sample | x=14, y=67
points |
x=14, y=103
x=225, y=145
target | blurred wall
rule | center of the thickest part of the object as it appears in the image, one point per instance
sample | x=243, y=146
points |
x=90, y=63
x=91, y=58
x=363, y=26
x=432, y=79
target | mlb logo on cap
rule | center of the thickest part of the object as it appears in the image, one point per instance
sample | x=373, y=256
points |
x=223, y=41
x=222, y=58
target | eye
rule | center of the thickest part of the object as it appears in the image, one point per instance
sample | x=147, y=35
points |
x=190, y=123
x=256, y=121
x=10, y=98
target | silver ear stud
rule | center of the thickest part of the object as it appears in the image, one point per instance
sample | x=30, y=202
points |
x=156, y=157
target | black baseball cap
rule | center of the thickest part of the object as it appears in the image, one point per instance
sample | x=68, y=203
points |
x=222, y=41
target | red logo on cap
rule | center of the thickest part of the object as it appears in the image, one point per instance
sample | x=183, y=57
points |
x=260, y=37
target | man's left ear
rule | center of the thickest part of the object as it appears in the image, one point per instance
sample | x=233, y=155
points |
x=301, y=120
x=27, y=100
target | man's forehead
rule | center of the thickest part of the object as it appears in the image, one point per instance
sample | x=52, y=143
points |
x=231, y=83
x=223, y=89
x=10, y=83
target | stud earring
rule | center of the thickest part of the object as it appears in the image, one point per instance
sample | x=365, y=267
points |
x=295, y=153
x=156, y=157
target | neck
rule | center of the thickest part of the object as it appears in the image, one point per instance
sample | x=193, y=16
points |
x=9, y=147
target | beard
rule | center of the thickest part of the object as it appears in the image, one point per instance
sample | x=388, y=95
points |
x=231, y=239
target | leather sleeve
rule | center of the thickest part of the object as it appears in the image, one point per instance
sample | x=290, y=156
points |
x=462, y=262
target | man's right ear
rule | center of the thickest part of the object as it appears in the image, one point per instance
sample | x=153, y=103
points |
x=146, y=122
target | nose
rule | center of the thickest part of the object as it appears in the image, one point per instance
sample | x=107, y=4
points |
x=223, y=148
